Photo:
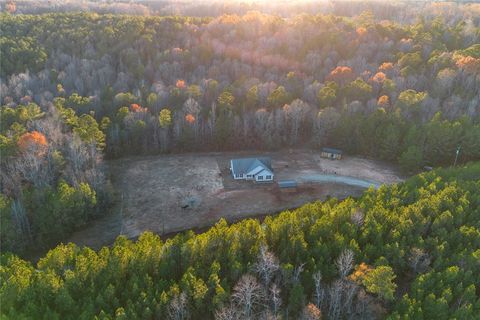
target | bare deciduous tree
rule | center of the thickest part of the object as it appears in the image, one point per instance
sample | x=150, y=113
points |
x=297, y=272
x=335, y=300
x=20, y=219
x=226, y=313
x=276, y=299
x=350, y=289
x=295, y=113
x=248, y=295
x=178, y=307
x=319, y=294
x=11, y=178
x=344, y=263
x=358, y=218
x=33, y=168
x=261, y=125
x=77, y=156
x=191, y=107
x=266, y=266
x=325, y=122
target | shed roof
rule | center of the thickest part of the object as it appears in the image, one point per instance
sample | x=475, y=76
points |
x=332, y=150
x=287, y=183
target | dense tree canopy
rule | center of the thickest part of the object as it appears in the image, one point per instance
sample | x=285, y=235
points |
x=80, y=87
x=408, y=251
x=380, y=77
x=51, y=174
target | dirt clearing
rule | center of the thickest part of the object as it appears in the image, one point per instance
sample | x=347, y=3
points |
x=172, y=193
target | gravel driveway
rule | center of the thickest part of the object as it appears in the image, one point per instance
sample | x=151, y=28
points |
x=322, y=178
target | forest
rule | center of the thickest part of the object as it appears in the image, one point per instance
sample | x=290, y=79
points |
x=83, y=83
x=406, y=251
x=78, y=88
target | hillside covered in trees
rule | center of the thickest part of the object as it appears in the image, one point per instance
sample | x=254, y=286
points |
x=399, y=82
x=80, y=87
x=407, y=251
x=406, y=92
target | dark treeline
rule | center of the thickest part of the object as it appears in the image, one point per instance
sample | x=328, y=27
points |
x=407, y=251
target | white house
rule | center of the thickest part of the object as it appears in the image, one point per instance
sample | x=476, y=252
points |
x=258, y=169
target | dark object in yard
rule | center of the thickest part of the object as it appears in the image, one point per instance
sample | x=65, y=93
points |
x=286, y=166
x=191, y=202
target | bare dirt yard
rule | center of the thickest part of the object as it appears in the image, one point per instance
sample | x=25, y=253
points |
x=171, y=193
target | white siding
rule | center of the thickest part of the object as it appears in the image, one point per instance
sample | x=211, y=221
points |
x=262, y=176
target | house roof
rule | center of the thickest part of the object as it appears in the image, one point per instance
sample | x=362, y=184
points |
x=245, y=165
x=332, y=150
x=257, y=169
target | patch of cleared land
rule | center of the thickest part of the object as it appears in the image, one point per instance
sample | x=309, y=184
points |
x=171, y=193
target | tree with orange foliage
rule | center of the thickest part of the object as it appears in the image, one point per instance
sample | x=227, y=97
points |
x=360, y=271
x=383, y=101
x=361, y=31
x=311, y=312
x=379, y=77
x=190, y=118
x=341, y=74
x=137, y=108
x=134, y=107
x=386, y=66
x=469, y=64
x=10, y=7
x=180, y=84
x=34, y=140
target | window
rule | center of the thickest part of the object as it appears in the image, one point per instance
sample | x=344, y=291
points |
x=268, y=178
x=240, y=175
x=260, y=177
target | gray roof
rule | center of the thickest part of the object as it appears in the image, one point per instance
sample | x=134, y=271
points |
x=332, y=150
x=245, y=165
x=287, y=183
